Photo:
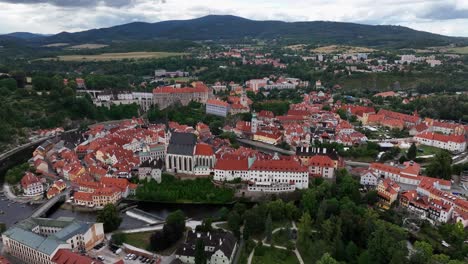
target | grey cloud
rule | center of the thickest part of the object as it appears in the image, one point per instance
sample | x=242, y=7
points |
x=445, y=12
x=77, y=3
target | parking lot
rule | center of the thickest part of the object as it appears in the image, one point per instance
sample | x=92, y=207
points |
x=108, y=255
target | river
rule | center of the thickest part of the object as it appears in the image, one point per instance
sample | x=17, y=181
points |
x=14, y=212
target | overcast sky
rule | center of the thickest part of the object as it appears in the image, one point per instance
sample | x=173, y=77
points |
x=448, y=17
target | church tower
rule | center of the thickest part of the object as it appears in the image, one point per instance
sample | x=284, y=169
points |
x=254, y=123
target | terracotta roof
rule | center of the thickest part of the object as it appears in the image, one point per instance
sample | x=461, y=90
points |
x=441, y=137
x=278, y=165
x=384, y=167
x=203, y=149
x=29, y=179
x=321, y=160
x=232, y=165
x=83, y=196
x=65, y=256
x=217, y=102
x=173, y=90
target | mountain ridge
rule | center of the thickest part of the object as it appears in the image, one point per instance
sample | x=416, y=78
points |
x=228, y=27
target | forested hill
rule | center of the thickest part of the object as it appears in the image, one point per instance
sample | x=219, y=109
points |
x=216, y=27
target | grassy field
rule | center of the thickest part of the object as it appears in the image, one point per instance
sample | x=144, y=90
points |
x=139, y=240
x=267, y=255
x=460, y=50
x=427, y=150
x=281, y=238
x=341, y=49
x=88, y=46
x=55, y=45
x=117, y=56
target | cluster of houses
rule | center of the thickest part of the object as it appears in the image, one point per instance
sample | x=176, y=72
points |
x=429, y=198
x=303, y=124
x=450, y=136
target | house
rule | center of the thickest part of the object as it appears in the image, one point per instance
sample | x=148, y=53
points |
x=454, y=143
x=231, y=169
x=31, y=185
x=41, y=166
x=369, y=178
x=220, y=247
x=151, y=169
x=267, y=174
x=321, y=166
x=268, y=136
x=305, y=153
x=217, y=107
x=387, y=190
x=413, y=131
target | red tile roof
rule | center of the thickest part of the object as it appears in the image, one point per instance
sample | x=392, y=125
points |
x=29, y=179
x=65, y=256
x=173, y=90
x=232, y=165
x=321, y=161
x=203, y=149
x=441, y=137
x=83, y=196
x=217, y=102
x=278, y=165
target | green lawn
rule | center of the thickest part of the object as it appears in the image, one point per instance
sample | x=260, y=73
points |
x=267, y=255
x=427, y=150
x=281, y=238
x=139, y=240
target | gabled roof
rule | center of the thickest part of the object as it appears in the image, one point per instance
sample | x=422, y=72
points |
x=182, y=144
x=203, y=149
x=232, y=164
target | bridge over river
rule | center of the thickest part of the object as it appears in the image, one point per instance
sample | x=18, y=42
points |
x=42, y=210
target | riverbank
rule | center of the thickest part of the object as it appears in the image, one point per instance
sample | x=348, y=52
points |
x=20, y=199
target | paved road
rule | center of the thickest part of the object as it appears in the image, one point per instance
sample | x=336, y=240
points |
x=357, y=163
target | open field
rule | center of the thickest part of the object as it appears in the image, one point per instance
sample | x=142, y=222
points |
x=341, y=49
x=88, y=46
x=139, y=240
x=117, y=56
x=459, y=50
x=55, y=45
x=296, y=47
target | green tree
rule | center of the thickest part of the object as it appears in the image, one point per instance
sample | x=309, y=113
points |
x=387, y=244
x=304, y=229
x=110, y=217
x=422, y=254
x=440, y=166
x=327, y=259
x=200, y=256
x=268, y=228
x=412, y=152
x=234, y=222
